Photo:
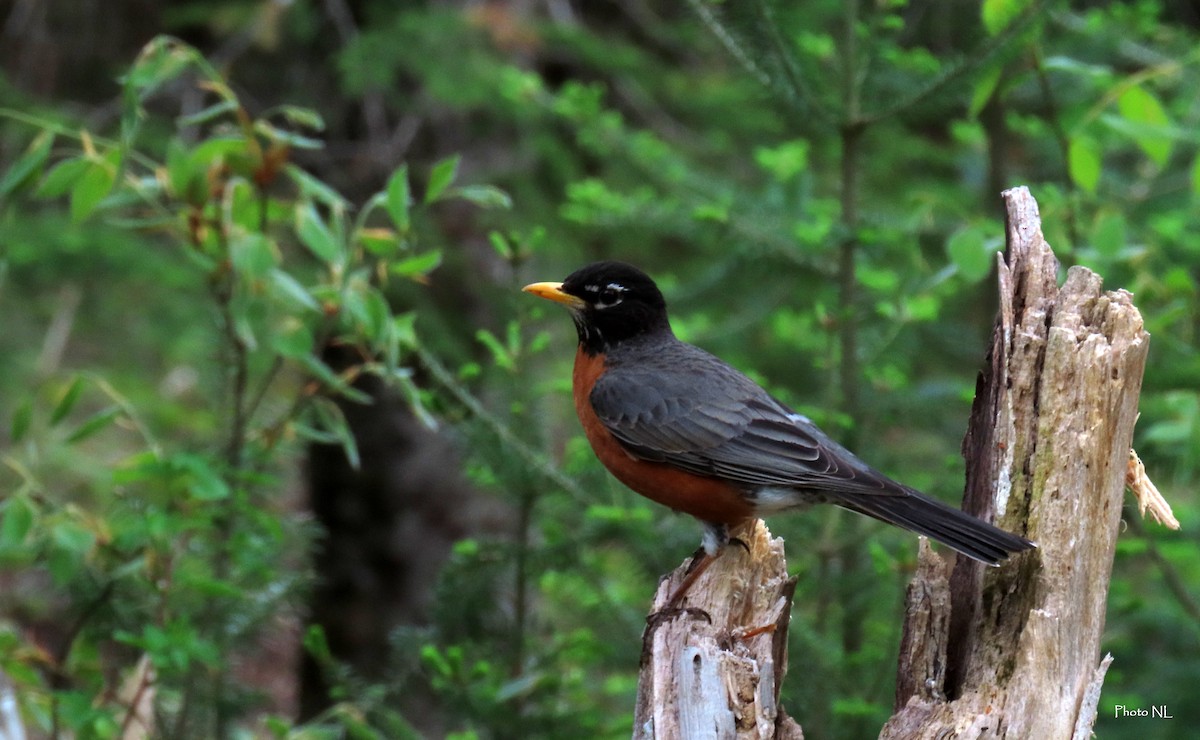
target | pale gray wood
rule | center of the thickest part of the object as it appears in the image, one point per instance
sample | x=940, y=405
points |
x=1047, y=452
x=701, y=676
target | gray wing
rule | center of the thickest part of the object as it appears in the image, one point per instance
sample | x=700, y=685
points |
x=704, y=417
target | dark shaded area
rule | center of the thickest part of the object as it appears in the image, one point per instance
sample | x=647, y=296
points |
x=389, y=526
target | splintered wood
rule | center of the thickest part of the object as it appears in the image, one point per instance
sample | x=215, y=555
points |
x=1047, y=452
x=713, y=668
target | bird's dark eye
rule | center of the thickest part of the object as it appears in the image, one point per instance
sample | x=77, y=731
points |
x=604, y=296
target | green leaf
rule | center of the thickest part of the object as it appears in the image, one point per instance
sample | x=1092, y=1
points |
x=502, y=246
x=90, y=188
x=1196, y=176
x=985, y=86
x=204, y=116
x=294, y=339
x=16, y=523
x=1108, y=234
x=244, y=326
x=204, y=484
x=878, y=278
x=1083, y=162
x=73, y=537
x=62, y=176
x=714, y=212
x=67, y=402
x=292, y=139
x=998, y=14
x=484, y=196
x=924, y=306
x=93, y=424
x=254, y=255
x=182, y=175
x=441, y=176
x=288, y=288
x=22, y=418
x=28, y=164
x=296, y=115
x=783, y=162
x=315, y=189
x=971, y=251
x=399, y=199
x=404, y=328
x=323, y=373
x=333, y=421
x=206, y=585
x=377, y=316
x=1138, y=105
x=316, y=235
x=161, y=60
x=500, y=354
x=418, y=266
x=315, y=643
x=217, y=150
x=379, y=242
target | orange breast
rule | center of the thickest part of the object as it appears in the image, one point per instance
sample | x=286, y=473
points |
x=707, y=499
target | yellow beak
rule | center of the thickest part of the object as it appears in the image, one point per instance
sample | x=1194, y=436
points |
x=554, y=292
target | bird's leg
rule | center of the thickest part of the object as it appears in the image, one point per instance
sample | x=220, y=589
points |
x=711, y=546
x=716, y=537
x=699, y=564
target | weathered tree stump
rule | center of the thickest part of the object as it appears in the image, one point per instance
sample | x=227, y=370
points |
x=1008, y=652
x=1047, y=452
x=713, y=670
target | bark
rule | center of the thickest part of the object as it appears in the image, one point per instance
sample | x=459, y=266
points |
x=1047, y=452
x=714, y=669
x=1007, y=652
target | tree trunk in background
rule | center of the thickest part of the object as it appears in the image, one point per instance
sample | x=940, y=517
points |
x=1008, y=652
x=388, y=528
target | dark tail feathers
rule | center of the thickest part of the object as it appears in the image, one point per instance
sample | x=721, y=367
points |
x=952, y=527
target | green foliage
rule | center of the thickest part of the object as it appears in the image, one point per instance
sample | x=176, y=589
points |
x=167, y=543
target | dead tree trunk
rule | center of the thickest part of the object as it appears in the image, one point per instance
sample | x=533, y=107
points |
x=1047, y=450
x=1009, y=652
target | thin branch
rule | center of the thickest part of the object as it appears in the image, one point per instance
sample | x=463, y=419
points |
x=75, y=134
x=790, y=68
x=72, y=633
x=535, y=459
x=264, y=384
x=1174, y=582
x=235, y=445
x=731, y=44
x=977, y=59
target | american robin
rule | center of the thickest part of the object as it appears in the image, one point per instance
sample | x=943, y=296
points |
x=683, y=428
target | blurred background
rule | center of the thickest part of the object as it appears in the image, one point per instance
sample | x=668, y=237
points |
x=288, y=454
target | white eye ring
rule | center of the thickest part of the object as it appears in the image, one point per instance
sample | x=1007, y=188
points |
x=608, y=296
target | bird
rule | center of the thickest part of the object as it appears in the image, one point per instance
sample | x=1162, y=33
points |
x=685, y=429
